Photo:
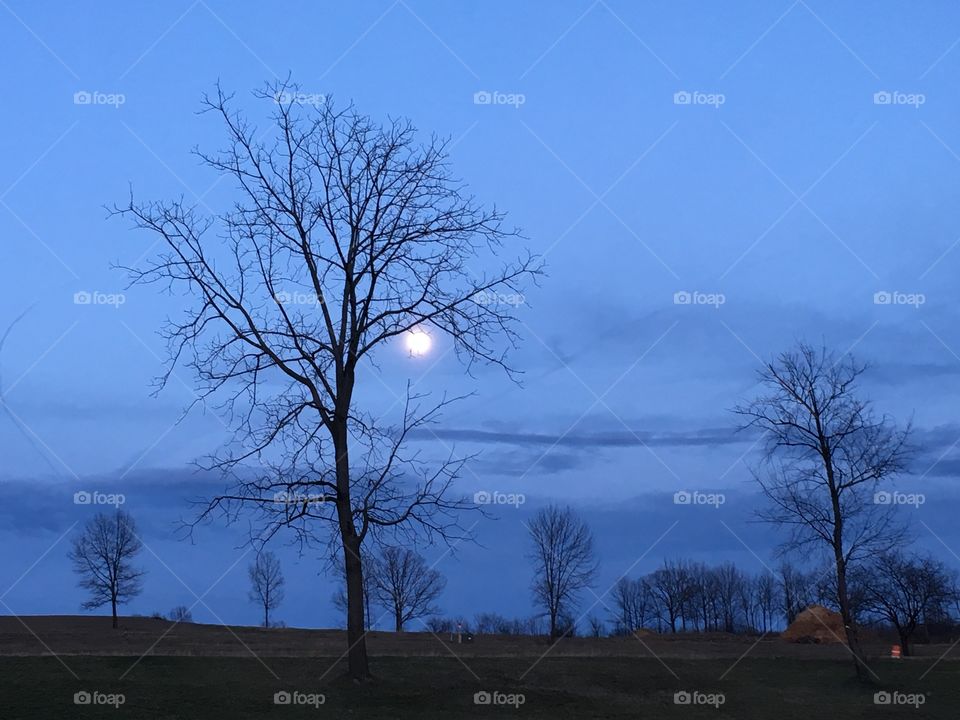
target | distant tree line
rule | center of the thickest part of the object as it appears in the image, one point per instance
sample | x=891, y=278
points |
x=903, y=591
x=910, y=594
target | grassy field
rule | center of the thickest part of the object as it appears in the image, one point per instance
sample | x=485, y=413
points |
x=68, y=635
x=194, y=672
x=188, y=688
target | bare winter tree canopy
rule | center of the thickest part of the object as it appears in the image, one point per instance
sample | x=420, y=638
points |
x=405, y=585
x=564, y=563
x=797, y=590
x=369, y=223
x=672, y=587
x=102, y=555
x=266, y=583
x=828, y=452
x=181, y=614
x=907, y=590
x=634, y=605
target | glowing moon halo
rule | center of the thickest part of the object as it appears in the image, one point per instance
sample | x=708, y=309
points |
x=418, y=343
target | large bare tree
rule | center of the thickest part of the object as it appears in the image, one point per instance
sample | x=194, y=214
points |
x=564, y=563
x=827, y=453
x=405, y=585
x=266, y=583
x=102, y=556
x=346, y=236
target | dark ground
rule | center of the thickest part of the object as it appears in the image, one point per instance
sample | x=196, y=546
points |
x=183, y=688
x=206, y=672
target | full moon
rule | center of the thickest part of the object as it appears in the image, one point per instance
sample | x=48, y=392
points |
x=418, y=343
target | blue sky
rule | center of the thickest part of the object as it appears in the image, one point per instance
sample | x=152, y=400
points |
x=815, y=166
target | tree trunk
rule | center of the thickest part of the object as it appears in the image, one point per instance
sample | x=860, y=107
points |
x=850, y=628
x=113, y=606
x=356, y=633
x=266, y=615
x=843, y=598
x=358, y=666
x=904, y=642
x=398, y=619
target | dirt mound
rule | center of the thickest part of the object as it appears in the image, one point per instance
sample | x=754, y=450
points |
x=817, y=625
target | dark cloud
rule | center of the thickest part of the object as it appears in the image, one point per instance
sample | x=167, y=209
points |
x=535, y=461
x=896, y=372
x=709, y=437
x=158, y=498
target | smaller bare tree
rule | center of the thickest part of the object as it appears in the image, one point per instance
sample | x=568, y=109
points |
x=767, y=599
x=634, y=605
x=729, y=582
x=564, y=562
x=102, y=555
x=402, y=582
x=492, y=624
x=266, y=583
x=598, y=628
x=672, y=586
x=181, y=614
x=902, y=590
x=796, y=590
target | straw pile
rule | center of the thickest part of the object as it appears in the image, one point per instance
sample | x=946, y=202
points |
x=818, y=625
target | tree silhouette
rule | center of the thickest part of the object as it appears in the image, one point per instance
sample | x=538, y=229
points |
x=404, y=584
x=346, y=237
x=102, y=555
x=827, y=453
x=266, y=583
x=563, y=560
